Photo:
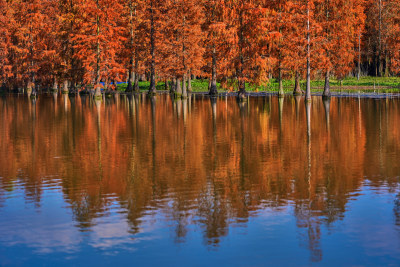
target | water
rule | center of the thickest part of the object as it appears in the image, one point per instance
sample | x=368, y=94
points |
x=139, y=181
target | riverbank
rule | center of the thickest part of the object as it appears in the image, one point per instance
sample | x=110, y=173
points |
x=365, y=84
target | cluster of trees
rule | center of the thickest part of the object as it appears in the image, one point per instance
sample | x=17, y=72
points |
x=75, y=44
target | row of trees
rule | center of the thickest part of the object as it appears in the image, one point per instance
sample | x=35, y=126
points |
x=71, y=44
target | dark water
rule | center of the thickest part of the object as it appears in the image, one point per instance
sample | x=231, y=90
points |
x=192, y=183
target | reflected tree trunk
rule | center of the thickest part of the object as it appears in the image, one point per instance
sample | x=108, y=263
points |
x=327, y=105
x=280, y=101
x=98, y=103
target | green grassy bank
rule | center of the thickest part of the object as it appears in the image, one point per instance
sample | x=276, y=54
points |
x=384, y=84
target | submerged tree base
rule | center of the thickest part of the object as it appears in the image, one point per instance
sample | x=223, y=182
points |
x=152, y=93
x=241, y=96
x=326, y=96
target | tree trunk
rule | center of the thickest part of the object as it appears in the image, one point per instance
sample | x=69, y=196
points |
x=359, y=57
x=327, y=92
x=136, y=85
x=55, y=85
x=386, y=65
x=173, y=86
x=379, y=72
x=152, y=88
x=166, y=85
x=97, y=86
x=65, y=87
x=242, y=90
x=189, y=89
x=280, y=93
x=212, y=89
x=297, y=89
x=184, y=88
x=308, y=82
x=241, y=82
x=178, y=92
x=131, y=77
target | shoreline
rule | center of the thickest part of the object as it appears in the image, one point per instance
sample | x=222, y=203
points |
x=366, y=93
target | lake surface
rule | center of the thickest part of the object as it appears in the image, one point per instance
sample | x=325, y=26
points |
x=200, y=182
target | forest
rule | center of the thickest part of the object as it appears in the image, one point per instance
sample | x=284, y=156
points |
x=92, y=45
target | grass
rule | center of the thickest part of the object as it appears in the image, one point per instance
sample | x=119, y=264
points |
x=384, y=84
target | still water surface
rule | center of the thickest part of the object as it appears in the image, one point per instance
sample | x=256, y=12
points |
x=139, y=181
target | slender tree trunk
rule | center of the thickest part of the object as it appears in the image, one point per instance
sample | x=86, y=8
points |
x=379, y=72
x=98, y=90
x=178, y=92
x=173, y=85
x=297, y=89
x=212, y=89
x=65, y=87
x=55, y=85
x=166, y=87
x=327, y=92
x=131, y=77
x=280, y=93
x=308, y=82
x=152, y=88
x=136, y=85
x=184, y=88
x=387, y=60
x=189, y=82
x=359, y=56
x=241, y=82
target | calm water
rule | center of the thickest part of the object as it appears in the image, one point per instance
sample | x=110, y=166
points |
x=139, y=181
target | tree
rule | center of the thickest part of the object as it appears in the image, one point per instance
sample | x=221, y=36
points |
x=250, y=59
x=393, y=43
x=216, y=43
x=152, y=23
x=133, y=17
x=182, y=48
x=340, y=22
x=98, y=38
x=33, y=44
x=5, y=42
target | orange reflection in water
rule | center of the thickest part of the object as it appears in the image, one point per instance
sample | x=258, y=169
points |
x=211, y=162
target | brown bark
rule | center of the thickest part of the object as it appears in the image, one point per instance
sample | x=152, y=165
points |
x=212, y=89
x=308, y=82
x=152, y=88
x=297, y=89
x=241, y=82
x=280, y=93
x=327, y=91
x=173, y=86
x=65, y=87
x=136, y=85
x=178, y=92
x=189, y=89
x=131, y=77
x=97, y=86
x=184, y=88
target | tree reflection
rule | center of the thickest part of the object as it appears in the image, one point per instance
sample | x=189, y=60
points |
x=211, y=167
